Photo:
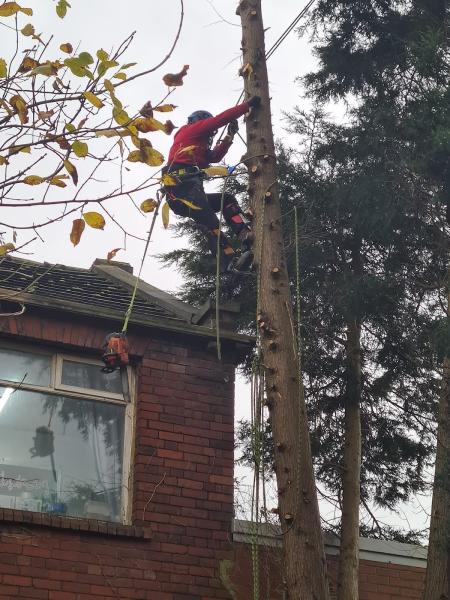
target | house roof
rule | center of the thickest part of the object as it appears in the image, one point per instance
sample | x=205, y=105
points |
x=104, y=290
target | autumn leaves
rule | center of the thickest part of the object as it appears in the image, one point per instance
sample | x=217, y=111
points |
x=61, y=121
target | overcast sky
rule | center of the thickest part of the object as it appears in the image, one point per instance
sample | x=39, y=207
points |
x=211, y=47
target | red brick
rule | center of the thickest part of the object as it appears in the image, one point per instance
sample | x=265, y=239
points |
x=16, y=580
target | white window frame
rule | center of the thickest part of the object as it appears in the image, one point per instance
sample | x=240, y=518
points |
x=57, y=388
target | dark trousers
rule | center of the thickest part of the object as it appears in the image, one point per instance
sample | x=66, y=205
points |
x=203, y=211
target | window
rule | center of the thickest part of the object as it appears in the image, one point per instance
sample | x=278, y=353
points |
x=64, y=428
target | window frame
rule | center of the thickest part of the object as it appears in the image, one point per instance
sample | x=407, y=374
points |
x=56, y=388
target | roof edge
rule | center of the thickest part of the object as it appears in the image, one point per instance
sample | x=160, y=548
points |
x=383, y=551
x=161, y=323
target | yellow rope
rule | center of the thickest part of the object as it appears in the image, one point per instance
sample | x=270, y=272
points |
x=133, y=295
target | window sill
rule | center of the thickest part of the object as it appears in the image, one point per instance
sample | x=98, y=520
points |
x=74, y=524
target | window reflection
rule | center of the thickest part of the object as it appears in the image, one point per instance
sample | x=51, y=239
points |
x=25, y=367
x=60, y=455
x=86, y=375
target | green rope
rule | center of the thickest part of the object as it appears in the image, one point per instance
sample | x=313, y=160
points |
x=133, y=295
x=297, y=287
x=299, y=360
x=257, y=422
x=218, y=344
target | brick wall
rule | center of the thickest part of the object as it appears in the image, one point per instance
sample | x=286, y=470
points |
x=182, y=488
x=377, y=580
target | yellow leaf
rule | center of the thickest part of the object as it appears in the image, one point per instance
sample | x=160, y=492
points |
x=111, y=254
x=77, y=65
x=168, y=180
x=8, y=9
x=176, y=79
x=94, y=219
x=57, y=181
x=216, y=170
x=153, y=157
x=128, y=65
x=3, y=68
x=148, y=205
x=33, y=180
x=144, y=125
x=188, y=203
x=135, y=156
x=81, y=149
x=78, y=226
x=3, y=160
x=20, y=106
x=165, y=215
x=5, y=248
x=105, y=65
x=165, y=108
x=15, y=149
x=70, y=168
x=109, y=133
x=102, y=55
x=93, y=99
x=28, y=30
x=61, y=8
x=108, y=86
x=47, y=69
x=67, y=48
x=120, y=75
x=120, y=116
x=70, y=127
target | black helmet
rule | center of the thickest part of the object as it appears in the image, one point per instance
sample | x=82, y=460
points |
x=199, y=115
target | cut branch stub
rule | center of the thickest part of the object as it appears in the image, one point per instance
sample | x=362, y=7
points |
x=275, y=272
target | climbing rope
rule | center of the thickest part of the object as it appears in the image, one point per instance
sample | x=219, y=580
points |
x=133, y=295
x=257, y=424
x=218, y=344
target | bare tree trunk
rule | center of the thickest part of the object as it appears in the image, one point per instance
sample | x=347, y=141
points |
x=437, y=577
x=304, y=558
x=349, y=549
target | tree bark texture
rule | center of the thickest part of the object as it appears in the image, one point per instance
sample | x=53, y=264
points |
x=438, y=563
x=349, y=549
x=305, y=569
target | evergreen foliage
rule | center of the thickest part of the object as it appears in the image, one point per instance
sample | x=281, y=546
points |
x=376, y=187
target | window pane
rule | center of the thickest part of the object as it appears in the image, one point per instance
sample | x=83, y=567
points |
x=85, y=375
x=61, y=455
x=24, y=366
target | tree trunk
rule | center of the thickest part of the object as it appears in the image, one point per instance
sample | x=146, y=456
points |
x=437, y=577
x=304, y=558
x=349, y=549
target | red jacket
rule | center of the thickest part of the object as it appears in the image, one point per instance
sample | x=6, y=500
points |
x=197, y=134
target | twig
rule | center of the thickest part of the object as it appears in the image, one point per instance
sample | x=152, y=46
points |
x=160, y=482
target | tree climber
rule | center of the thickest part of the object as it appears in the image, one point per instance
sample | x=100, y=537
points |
x=190, y=153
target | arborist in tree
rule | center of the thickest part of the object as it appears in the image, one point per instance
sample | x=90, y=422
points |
x=192, y=152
